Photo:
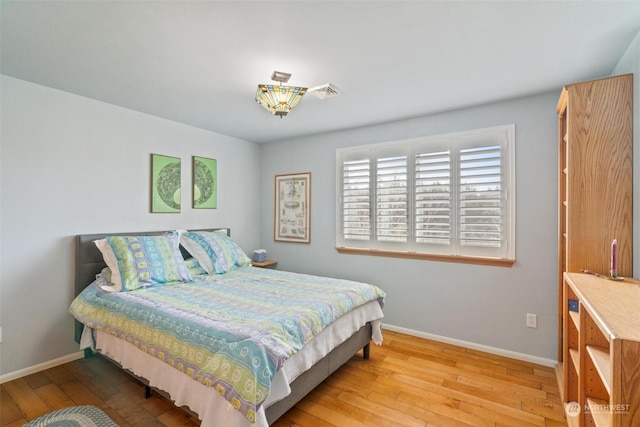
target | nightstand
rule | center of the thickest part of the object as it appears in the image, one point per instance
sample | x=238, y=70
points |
x=265, y=264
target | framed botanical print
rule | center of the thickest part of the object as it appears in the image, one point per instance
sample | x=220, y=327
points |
x=165, y=184
x=292, y=219
x=205, y=183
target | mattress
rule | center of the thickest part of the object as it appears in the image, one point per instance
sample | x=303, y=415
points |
x=243, y=336
x=209, y=405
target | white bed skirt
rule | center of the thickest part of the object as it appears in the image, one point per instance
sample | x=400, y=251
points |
x=213, y=409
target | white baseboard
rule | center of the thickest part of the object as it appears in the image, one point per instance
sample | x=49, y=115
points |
x=494, y=350
x=40, y=367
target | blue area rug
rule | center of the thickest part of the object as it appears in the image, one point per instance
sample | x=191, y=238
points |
x=76, y=416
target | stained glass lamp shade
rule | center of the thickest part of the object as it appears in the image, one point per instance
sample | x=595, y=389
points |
x=278, y=99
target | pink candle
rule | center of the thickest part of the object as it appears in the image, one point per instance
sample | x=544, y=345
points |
x=614, y=257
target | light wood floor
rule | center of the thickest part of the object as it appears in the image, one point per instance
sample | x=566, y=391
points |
x=408, y=381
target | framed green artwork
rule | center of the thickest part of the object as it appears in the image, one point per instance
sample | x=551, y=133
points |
x=165, y=184
x=205, y=183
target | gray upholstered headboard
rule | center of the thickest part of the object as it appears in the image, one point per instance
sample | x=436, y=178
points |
x=89, y=260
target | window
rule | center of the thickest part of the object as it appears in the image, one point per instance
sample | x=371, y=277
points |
x=447, y=195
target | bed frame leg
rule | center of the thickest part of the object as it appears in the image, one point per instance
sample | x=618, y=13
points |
x=147, y=392
x=365, y=351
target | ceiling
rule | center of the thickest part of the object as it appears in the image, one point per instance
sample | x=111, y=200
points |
x=199, y=62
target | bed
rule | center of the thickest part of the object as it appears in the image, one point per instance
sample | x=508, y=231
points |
x=321, y=348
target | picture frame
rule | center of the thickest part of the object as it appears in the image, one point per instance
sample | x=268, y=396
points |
x=165, y=184
x=205, y=183
x=292, y=208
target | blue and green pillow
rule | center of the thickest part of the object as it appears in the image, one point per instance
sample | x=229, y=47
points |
x=214, y=251
x=143, y=261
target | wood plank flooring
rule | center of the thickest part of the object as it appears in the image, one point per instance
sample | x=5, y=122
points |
x=408, y=381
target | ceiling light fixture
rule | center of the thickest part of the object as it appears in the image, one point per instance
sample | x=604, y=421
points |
x=279, y=99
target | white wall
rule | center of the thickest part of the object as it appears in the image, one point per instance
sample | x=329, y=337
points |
x=477, y=304
x=630, y=63
x=72, y=165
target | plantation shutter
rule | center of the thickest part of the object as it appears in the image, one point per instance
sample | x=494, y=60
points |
x=356, y=199
x=481, y=209
x=451, y=194
x=433, y=207
x=391, y=199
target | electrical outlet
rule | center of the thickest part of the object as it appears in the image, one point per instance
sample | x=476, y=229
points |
x=532, y=320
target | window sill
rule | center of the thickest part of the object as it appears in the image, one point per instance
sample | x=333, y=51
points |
x=497, y=262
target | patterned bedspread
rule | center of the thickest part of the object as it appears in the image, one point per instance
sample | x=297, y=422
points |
x=230, y=331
